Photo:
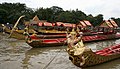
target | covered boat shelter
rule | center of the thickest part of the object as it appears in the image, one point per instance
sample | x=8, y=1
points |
x=107, y=27
x=85, y=26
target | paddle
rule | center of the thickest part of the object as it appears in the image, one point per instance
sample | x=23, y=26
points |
x=16, y=25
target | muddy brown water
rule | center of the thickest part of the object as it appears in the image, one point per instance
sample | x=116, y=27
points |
x=16, y=54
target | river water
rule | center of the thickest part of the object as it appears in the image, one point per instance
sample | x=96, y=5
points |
x=16, y=54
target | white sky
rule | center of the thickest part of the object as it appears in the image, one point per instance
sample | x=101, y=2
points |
x=109, y=8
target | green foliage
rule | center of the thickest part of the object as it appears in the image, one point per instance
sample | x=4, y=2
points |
x=117, y=20
x=10, y=12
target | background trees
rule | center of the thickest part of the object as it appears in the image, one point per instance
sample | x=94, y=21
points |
x=10, y=12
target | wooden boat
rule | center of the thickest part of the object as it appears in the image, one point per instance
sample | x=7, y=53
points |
x=53, y=40
x=34, y=42
x=89, y=58
x=100, y=37
x=15, y=32
x=18, y=34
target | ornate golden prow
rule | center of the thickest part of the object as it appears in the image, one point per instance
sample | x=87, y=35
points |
x=16, y=25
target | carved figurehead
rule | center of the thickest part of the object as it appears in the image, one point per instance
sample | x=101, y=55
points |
x=75, y=45
x=74, y=42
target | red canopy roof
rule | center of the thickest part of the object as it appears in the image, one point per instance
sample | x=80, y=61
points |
x=106, y=23
x=73, y=25
x=69, y=25
x=114, y=23
x=40, y=24
x=59, y=23
x=47, y=24
x=87, y=23
x=82, y=23
x=65, y=24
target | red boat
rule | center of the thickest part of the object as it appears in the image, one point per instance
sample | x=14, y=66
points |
x=45, y=42
x=59, y=40
x=90, y=58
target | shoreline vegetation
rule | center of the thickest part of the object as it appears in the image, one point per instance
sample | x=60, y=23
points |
x=10, y=12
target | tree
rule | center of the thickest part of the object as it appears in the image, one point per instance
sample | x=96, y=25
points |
x=3, y=14
x=98, y=19
x=15, y=10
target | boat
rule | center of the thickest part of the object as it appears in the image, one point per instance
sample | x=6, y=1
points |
x=90, y=58
x=15, y=34
x=35, y=43
x=100, y=37
x=82, y=56
x=50, y=37
x=53, y=40
x=15, y=31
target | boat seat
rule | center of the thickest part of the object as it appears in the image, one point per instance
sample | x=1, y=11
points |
x=99, y=52
x=106, y=49
x=114, y=51
x=109, y=51
x=104, y=52
x=114, y=47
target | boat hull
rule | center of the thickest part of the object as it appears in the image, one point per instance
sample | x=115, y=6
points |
x=37, y=44
x=92, y=58
x=37, y=41
x=18, y=34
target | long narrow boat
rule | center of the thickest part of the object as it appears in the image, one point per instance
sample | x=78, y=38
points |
x=89, y=58
x=45, y=42
x=53, y=40
x=17, y=34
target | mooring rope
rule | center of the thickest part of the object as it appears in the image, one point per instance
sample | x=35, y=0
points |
x=55, y=55
x=50, y=61
x=53, y=58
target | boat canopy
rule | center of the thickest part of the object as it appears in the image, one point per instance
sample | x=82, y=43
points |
x=106, y=23
x=87, y=23
x=45, y=24
x=83, y=24
x=40, y=24
x=59, y=23
x=65, y=24
x=113, y=23
x=69, y=25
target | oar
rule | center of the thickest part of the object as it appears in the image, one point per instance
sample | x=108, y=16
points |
x=16, y=25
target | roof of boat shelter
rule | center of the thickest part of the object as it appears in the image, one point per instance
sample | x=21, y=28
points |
x=84, y=23
x=113, y=23
x=106, y=23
